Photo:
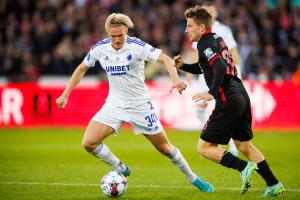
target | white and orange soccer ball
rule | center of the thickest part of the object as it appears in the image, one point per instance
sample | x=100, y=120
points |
x=113, y=184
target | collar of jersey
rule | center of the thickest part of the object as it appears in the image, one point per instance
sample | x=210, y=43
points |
x=114, y=50
x=207, y=32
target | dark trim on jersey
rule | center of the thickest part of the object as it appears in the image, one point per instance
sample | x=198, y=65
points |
x=213, y=60
x=191, y=68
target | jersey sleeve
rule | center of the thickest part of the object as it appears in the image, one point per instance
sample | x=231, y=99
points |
x=191, y=68
x=211, y=55
x=90, y=58
x=148, y=53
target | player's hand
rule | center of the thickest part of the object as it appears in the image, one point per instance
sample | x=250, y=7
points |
x=61, y=101
x=178, y=61
x=202, y=96
x=179, y=85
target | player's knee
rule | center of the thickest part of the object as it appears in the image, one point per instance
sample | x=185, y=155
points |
x=201, y=150
x=88, y=146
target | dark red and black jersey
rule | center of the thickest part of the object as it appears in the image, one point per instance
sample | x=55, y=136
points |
x=216, y=64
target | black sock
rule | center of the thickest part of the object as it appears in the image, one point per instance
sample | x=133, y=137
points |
x=266, y=173
x=231, y=161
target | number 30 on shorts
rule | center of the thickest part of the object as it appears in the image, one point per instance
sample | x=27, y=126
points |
x=151, y=119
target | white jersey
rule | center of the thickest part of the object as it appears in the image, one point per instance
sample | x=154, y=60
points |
x=225, y=32
x=124, y=69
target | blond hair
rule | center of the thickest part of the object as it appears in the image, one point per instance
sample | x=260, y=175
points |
x=117, y=19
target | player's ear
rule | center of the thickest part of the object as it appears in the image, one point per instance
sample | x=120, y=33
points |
x=126, y=30
x=202, y=27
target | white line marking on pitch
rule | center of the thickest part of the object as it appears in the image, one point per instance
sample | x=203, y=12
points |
x=135, y=186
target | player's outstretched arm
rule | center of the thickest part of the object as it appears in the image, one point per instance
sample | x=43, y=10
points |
x=191, y=68
x=77, y=75
x=169, y=63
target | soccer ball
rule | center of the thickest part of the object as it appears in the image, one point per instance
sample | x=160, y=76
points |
x=113, y=184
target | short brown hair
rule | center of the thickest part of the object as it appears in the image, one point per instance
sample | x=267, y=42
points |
x=200, y=16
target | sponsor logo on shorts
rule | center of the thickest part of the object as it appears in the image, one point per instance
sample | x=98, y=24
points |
x=152, y=129
x=148, y=129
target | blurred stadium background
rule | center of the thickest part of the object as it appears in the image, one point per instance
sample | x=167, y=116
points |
x=42, y=42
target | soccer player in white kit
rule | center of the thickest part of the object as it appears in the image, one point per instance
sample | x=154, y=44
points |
x=227, y=35
x=123, y=58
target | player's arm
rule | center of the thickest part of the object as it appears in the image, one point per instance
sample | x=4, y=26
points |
x=191, y=68
x=220, y=70
x=215, y=61
x=194, y=58
x=169, y=63
x=74, y=80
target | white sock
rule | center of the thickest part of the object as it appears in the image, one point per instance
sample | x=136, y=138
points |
x=103, y=153
x=232, y=148
x=178, y=160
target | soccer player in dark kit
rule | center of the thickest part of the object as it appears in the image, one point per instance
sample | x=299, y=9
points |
x=231, y=117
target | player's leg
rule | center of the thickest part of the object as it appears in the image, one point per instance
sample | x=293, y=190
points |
x=144, y=120
x=250, y=151
x=94, y=135
x=104, y=123
x=221, y=126
x=242, y=138
x=162, y=144
x=274, y=187
x=216, y=154
x=218, y=130
x=213, y=152
x=92, y=142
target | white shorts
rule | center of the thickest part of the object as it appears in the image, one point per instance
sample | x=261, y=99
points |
x=142, y=118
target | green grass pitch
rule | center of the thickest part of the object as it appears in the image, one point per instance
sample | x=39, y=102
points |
x=45, y=163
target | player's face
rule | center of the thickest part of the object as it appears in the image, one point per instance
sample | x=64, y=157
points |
x=117, y=35
x=193, y=30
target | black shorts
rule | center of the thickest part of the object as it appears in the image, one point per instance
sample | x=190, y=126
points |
x=231, y=119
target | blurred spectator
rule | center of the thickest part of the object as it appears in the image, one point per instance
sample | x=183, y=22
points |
x=50, y=37
x=290, y=61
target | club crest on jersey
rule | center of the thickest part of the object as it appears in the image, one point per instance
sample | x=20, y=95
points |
x=152, y=49
x=129, y=57
x=209, y=53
